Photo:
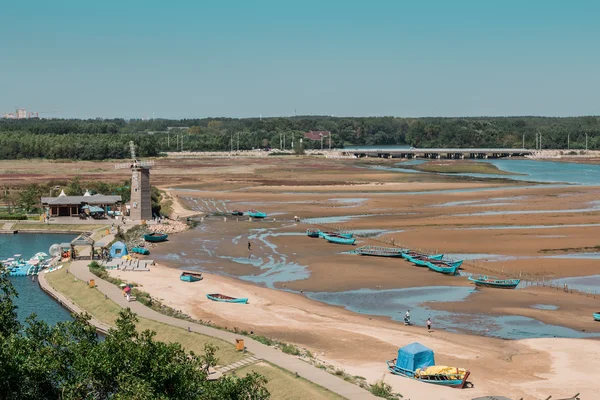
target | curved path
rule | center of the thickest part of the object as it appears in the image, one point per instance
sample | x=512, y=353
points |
x=293, y=364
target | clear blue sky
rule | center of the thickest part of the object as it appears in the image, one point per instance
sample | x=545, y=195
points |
x=345, y=58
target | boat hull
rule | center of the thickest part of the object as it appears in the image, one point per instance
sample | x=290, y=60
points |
x=409, y=256
x=257, y=214
x=495, y=283
x=345, y=235
x=450, y=270
x=190, y=278
x=241, y=300
x=155, y=238
x=597, y=316
x=453, y=383
x=339, y=240
x=140, y=250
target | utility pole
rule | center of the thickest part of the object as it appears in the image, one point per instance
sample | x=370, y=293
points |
x=329, y=141
x=586, y=148
x=540, y=141
x=168, y=141
x=568, y=141
x=238, y=142
x=321, y=141
x=231, y=145
x=284, y=140
x=280, y=142
x=523, y=141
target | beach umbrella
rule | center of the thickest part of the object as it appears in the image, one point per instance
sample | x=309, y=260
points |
x=10, y=259
x=41, y=254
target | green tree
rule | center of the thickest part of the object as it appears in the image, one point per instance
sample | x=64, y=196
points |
x=69, y=361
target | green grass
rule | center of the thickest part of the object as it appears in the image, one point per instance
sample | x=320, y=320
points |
x=92, y=301
x=56, y=227
x=460, y=167
x=283, y=385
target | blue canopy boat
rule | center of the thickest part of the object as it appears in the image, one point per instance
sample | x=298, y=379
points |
x=190, y=277
x=256, y=214
x=417, y=362
x=597, y=316
x=338, y=239
x=407, y=255
x=379, y=251
x=155, y=237
x=226, y=299
x=492, y=281
x=442, y=268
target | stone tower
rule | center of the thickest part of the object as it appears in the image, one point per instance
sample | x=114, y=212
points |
x=141, y=200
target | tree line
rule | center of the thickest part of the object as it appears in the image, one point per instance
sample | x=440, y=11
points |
x=108, y=139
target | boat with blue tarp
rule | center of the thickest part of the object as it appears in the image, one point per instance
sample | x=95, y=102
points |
x=492, y=281
x=416, y=361
x=338, y=239
x=226, y=299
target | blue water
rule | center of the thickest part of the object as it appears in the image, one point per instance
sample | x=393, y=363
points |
x=31, y=297
x=379, y=147
x=475, y=228
x=549, y=171
x=393, y=303
x=588, y=284
x=550, y=307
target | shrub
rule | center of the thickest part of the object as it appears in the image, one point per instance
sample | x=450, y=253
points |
x=384, y=390
x=290, y=349
x=263, y=339
x=13, y=217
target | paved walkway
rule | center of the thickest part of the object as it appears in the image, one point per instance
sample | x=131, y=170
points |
x=293, y=364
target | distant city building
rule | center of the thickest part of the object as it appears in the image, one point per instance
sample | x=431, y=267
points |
x=21, y=113
x=316, y=135
x=9, y=116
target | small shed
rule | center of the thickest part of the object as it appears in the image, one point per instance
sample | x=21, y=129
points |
x=413, y=356
x=118, y=250
x=85, y=239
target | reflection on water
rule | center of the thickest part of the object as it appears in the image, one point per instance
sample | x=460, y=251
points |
x=393, y=303
x=473, y=228
x=588, y=284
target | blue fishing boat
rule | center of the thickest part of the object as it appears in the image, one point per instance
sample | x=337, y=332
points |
x=417, y=362
x=413, y=254
x=190, y=277
x=155, y=237
x=345, y=235
x=377, y=251
x=140, y=250
x=442, y=268
x=597, y=316
x=421, y=261
x=313, y=232
x=492, y=281
x=226, y=299
x=237, y=213
x=256, y=214
x=338, y=239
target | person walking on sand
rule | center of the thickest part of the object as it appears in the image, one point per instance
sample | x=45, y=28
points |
x=429, y=324
x=249, y=246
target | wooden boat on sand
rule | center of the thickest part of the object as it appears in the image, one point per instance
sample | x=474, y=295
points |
x=377, y=251
x=140, y=250
x=237, y=213
x=346, y=235
x=597, y=316
x=256, y=214
x=492, y=281
x=443, y=268
x=413, y=254
x=190, y=276
x=226, y=299
x=155, y=237
x=313, y=232
x=417, y=362
x=338, y=239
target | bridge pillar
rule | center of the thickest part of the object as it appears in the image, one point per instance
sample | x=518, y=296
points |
x=437, y=156
x=485, y=156
x=390, y=156
x=462, y=156
x=510, y=155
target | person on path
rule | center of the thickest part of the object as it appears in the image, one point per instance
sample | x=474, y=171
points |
x=429, y=324
x=249, y=246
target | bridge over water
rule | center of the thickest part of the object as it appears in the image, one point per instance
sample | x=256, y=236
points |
x=438, y=153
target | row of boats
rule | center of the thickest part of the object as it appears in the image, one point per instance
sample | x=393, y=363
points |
x=17, y=266
x=332, y=237
x=197, y=276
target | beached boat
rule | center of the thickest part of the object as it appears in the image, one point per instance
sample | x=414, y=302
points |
x=313, y=232
x=237, y=213
x=446, y=263
x=338, y=239
x=597, y=316
x=417, y=362
x=345, y=235
x=377, y=251
x=226, y=299
x=140, y=250
x=256, y=214
x=492, y=281
x=413, y=254
x=190, y=276
x=442, y=268
x=155, y=237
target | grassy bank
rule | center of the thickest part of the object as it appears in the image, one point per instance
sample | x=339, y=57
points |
x=283, y=385
x=22, y=226
x=106, y=311
x=458, y=167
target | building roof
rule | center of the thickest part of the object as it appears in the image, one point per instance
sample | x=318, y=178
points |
x=72, y=200
x=316, y=135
